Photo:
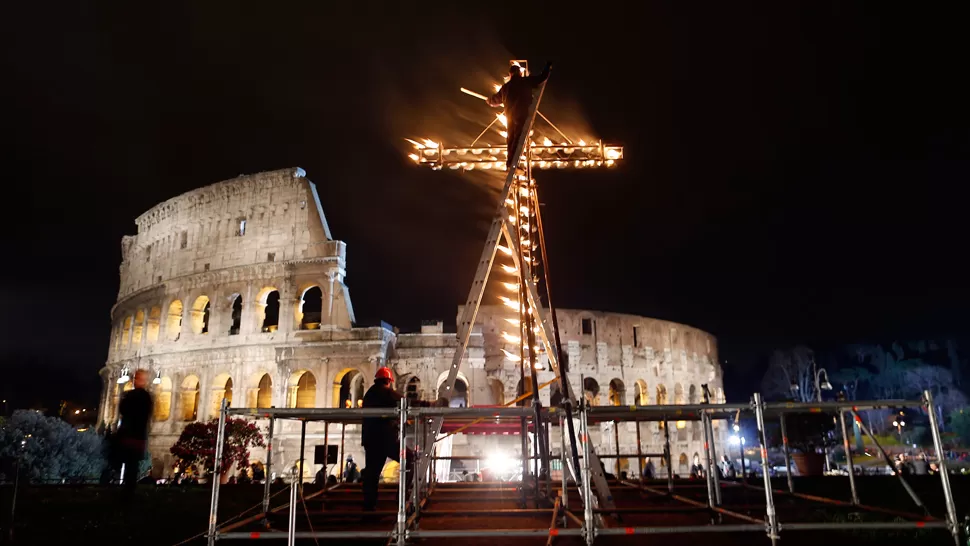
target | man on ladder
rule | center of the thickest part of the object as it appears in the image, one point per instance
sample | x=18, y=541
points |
x=516, y=95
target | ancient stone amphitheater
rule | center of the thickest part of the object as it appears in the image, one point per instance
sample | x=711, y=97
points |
x=238, y=291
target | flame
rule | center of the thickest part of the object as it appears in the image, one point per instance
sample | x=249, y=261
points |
x=430, y=143
x=509, y=269
x=509, y=201
x=524, y=210
x=546, y=141
x=582, y=142
x=512, y=357
x=512, y=218
x=414, y=157
x=497, y=87
x=507, y=251
x=503, y=120
x=613, y=153
x=510, y=303
x=416, y=144
x=510, y=338
x=610, y=162
x=504, y=134
x=512, y=321
x=511, y=285
x=524, y=191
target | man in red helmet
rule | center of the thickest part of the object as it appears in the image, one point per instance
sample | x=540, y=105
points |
x=379, y=435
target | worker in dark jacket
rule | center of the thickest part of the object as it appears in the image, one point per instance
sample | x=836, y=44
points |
x=379, y=435
x=516, y=95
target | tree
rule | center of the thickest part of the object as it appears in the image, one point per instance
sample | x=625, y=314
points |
x=787, y=368
x=960, y=425
x=51, y=449
x=197, y=444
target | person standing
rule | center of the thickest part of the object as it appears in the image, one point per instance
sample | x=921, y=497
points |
x=379, y=435
x=132, y=436
x=516, y=96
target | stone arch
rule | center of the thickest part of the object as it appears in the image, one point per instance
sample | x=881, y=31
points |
x=236, y=316
x=617, y=395
x=496, y=392
x=555, y=395
x=302, y=392
x=264, y=391
x=661, y=394
x=524, y=388
x=221, y=389
x=412, y=389
x=591, y=391
x=163, y=399
x=459, y=398
x=442, y=377
x=189, y=396
x=154, y=324
x=173, y=323
x=678, y=394
x=692, y=395
x=348, y=388
x=200, y=315
x=683, y=462
x=125, y=331
x=268, y=309
x=642, y=393
x=681, y=431
x=311, y=308
x=138, y=328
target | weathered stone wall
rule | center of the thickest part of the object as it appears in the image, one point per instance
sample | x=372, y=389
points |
x=202, y=355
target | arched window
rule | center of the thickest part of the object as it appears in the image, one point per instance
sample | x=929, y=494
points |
x=661, y=400
x=154, y=324
x=681, y=431
x=496, y=391
x=269, y=303
x=200, y=315
x=692, y=395
x=643, y=393
x=264, y=395
x=459, y=399
x=348, y=389
x=237, y=306
x=413, y=389
x=190, y=398
x=125, y=331
x=678, y=394
x=173, y=324
x=138, y=328
x=617, y=392
x=221, y=389
x=591, y=390
x=303, y=390
x=311, y=305
x=163, y=399
x=684, y=463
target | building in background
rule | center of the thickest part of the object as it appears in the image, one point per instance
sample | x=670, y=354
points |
x=237, y=291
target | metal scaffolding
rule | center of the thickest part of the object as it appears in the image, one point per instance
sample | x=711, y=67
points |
x=412, y=506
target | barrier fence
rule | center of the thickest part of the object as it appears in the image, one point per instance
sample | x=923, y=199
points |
x=592, y=525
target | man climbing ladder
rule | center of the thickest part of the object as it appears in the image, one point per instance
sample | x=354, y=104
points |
x=516, y=96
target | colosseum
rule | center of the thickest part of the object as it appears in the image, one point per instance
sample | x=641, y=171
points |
x=238, y=291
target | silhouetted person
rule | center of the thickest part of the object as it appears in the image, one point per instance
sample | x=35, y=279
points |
x=351, y=473
x=379, y=435
x=516, y=95
x=649, y=471
x=132, y=436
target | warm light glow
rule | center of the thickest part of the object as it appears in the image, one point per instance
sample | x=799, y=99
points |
x=512, y=321
x=498, y=87
x=582, y=142
x=546, y=141
x=509, y=201
x=509, y=303
x=430, y=143
x=524, y=191
x=734, y=440
x=681, y=424
x=416, y=144
x=512, y=357
x=524, y=210
x=612, y=153
x=510, y=338
x=499, y=463
x=504, y=134
x=509, y=269
x=415, y=157
x=503, y=120
x=505, y=250
x=511, y=286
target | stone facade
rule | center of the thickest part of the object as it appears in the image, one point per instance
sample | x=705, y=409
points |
x=236, y=290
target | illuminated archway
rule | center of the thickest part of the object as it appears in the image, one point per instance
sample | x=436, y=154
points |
x=642, y=393
x=190, y=398
x=236, y=322
x=173, y=323
x=311, y=307
x=591, y=391
x=348, y=388
x=264, y=393
x=163, y=399
x=617, y=392
x=125, y=331
x=221, y=389
x=200, y=315
x=268, y=309
x=302, y=392
x=138, y=328
x=154, y=324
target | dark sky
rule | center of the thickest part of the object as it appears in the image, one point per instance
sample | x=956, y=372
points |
x=794, y=173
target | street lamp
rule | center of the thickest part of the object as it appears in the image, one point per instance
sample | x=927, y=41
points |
x=899, y=424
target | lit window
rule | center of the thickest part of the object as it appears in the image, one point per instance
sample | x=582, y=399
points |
x=242, y=227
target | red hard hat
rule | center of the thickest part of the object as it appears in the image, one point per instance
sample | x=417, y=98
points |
x=384, y=373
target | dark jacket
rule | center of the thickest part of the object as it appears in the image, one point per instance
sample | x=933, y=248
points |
x=135, y=410
x=516, y=95
x=382, y=431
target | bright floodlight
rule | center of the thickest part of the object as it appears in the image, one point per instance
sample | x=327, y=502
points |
x=734, y=439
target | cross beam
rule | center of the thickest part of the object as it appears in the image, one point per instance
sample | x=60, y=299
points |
x=541, y=156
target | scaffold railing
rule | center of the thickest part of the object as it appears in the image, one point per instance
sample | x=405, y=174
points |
x=409, y=506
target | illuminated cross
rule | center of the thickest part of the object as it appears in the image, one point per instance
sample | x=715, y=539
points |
x=518, y=221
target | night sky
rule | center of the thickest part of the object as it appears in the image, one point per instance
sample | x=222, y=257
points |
x=793, y=173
